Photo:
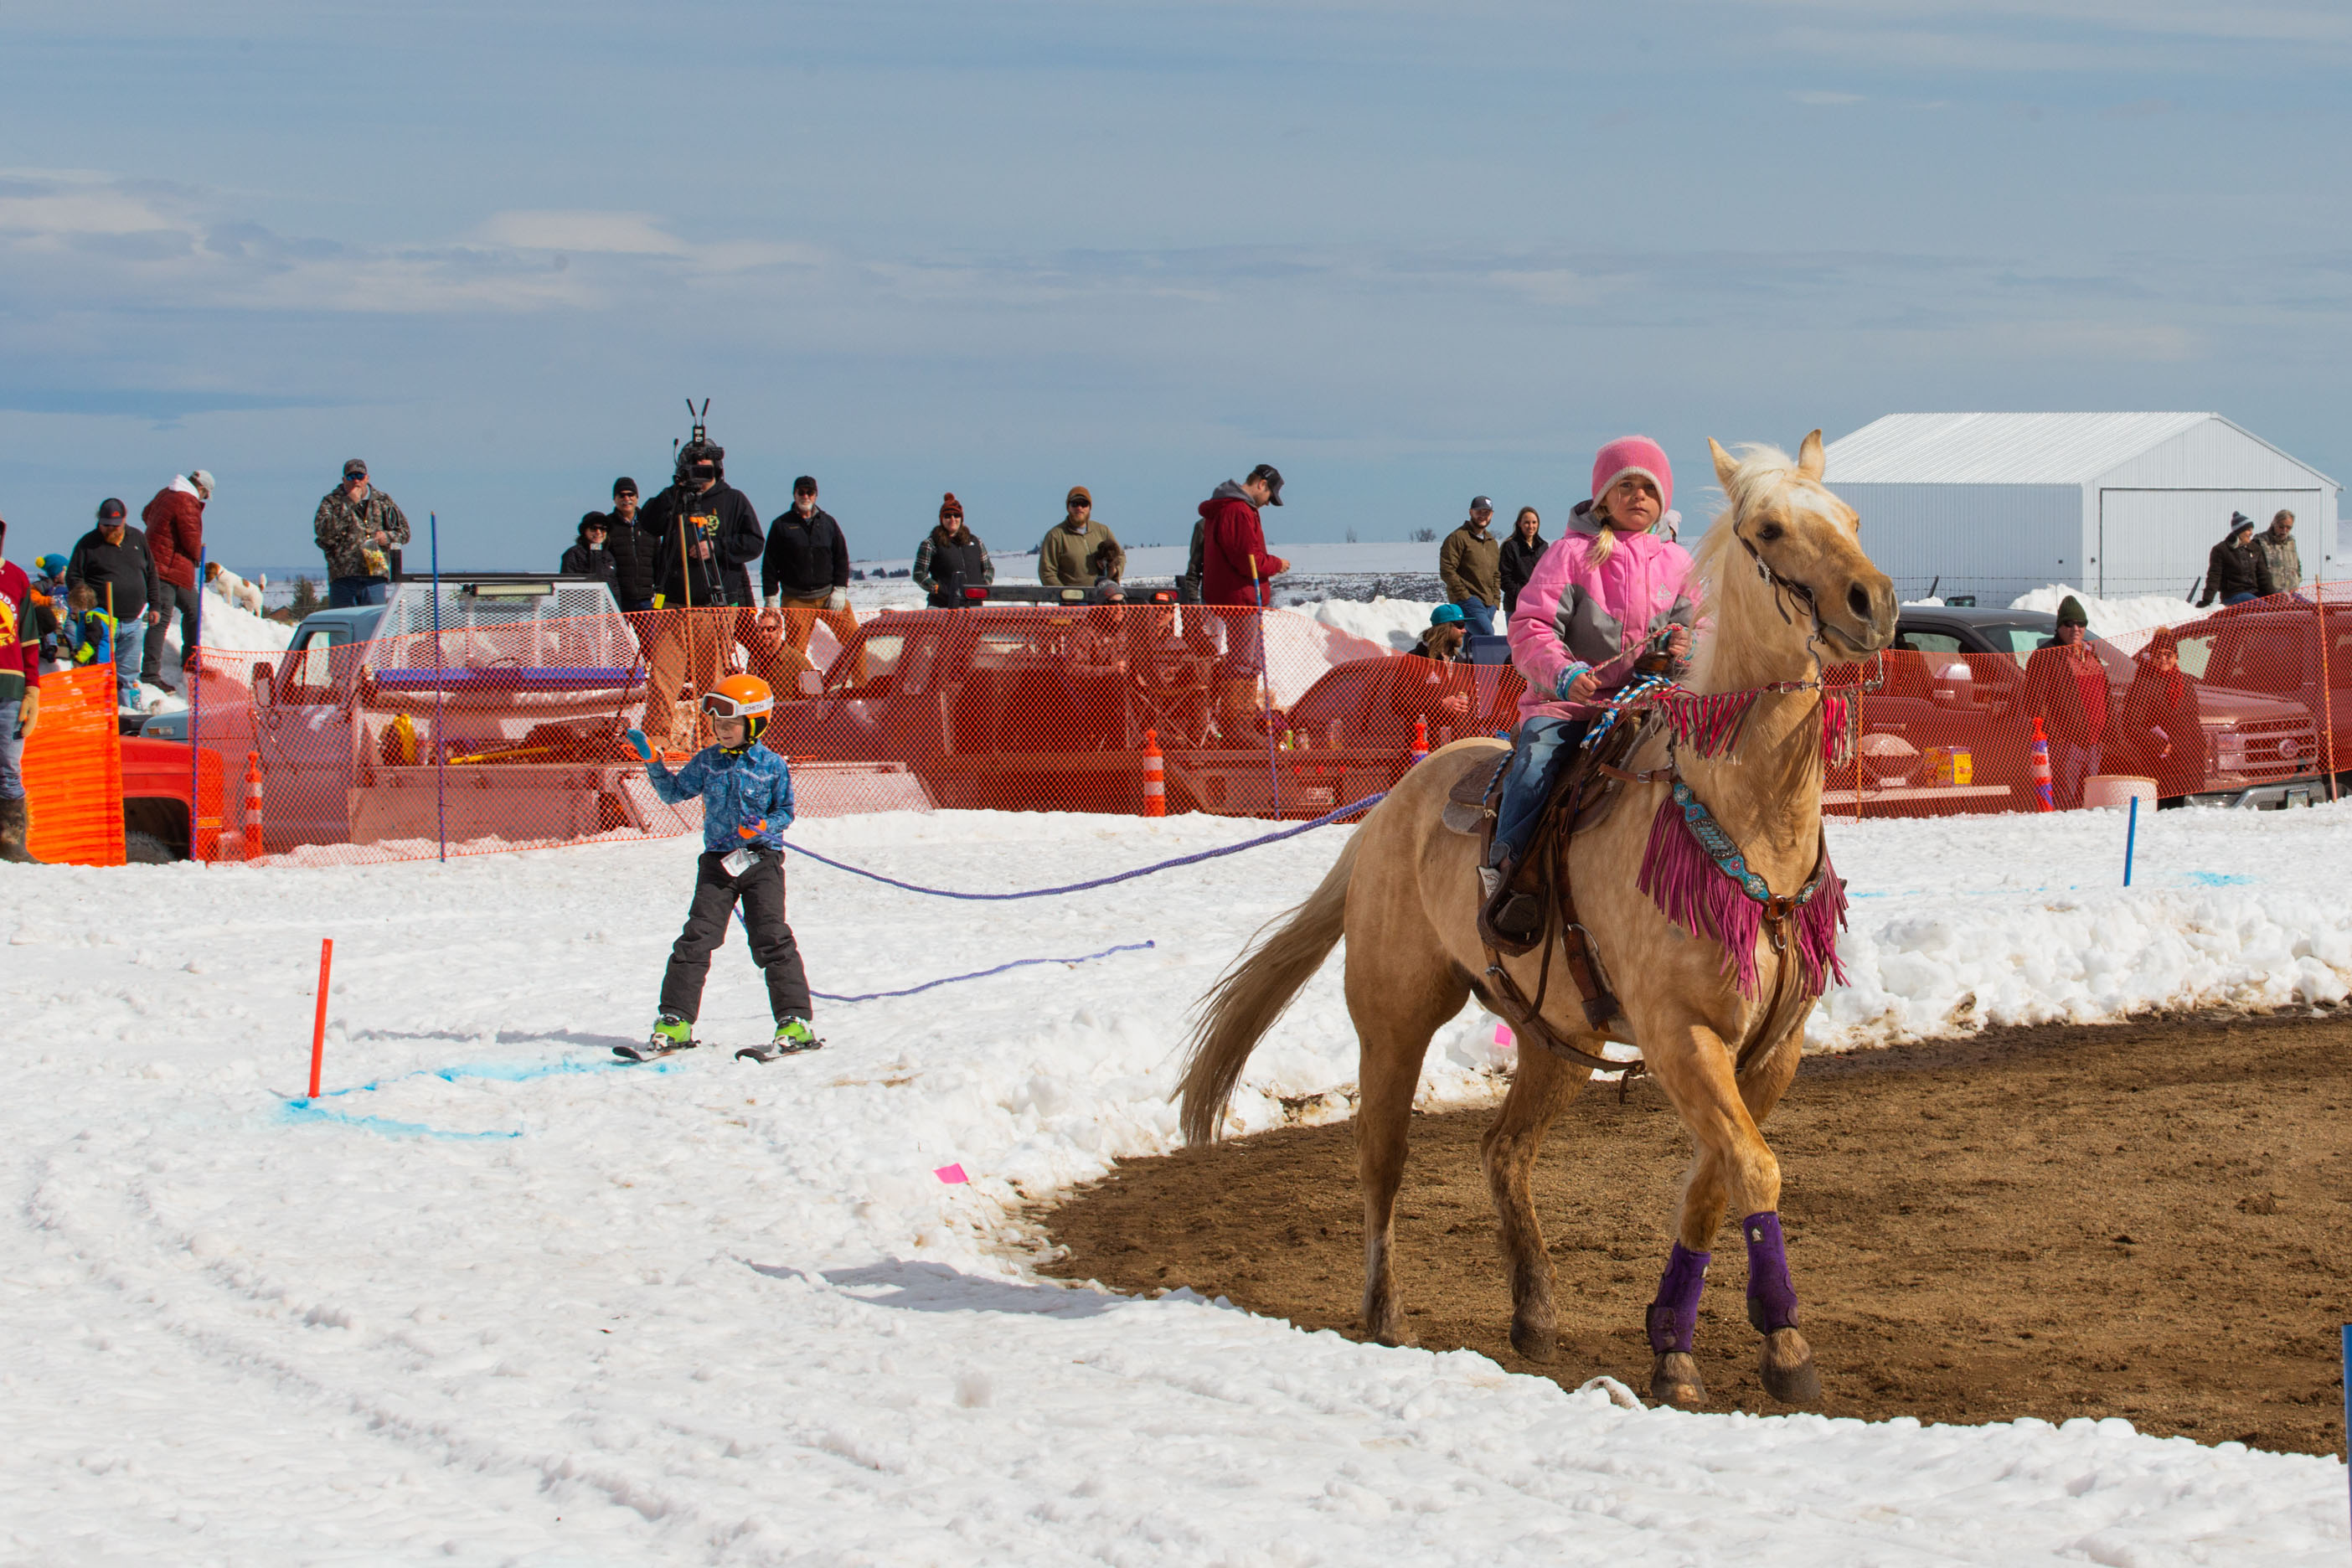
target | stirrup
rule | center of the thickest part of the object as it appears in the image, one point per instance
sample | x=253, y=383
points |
x=1500, y=919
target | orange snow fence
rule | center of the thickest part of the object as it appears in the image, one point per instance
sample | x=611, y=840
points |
x=512, y=736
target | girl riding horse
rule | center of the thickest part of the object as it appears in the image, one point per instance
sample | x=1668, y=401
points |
x=1608, y=593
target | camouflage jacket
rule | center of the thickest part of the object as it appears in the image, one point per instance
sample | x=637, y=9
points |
x=347, y=533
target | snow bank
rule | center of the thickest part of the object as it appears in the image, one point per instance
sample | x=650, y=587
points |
x=1394, y=623
x=2115, y=618
x=498, y=1299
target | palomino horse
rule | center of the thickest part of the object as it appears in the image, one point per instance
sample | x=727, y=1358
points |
x=1718, y=1021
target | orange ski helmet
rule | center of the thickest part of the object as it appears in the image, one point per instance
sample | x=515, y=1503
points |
x=744, y=697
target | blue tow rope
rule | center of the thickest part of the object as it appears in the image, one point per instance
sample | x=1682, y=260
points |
x=981, y=974
x=1324, y=821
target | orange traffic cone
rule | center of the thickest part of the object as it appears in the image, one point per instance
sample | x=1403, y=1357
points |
x=1155, y=776
x=253, y=806
x=2040, y=746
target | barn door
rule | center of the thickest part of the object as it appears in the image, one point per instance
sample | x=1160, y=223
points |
x=2156, y=542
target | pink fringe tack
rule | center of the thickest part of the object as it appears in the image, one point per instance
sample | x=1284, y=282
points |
x=1710, y=724
x=1695, y=893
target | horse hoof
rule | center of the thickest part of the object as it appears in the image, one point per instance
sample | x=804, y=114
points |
x=1676, y=1380
x=1788, y=1369
x=1535, y=1342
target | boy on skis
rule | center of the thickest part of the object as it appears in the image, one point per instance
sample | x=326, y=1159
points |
x=747, y=802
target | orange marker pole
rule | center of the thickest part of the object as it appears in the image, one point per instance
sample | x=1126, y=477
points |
x=319, y=1024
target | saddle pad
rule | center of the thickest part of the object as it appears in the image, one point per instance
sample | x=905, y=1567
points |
x=1466, y=805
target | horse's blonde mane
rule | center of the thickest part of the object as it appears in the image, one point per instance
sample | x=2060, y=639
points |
x=1734, y=600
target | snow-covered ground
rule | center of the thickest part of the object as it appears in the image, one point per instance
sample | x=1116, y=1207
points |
x=498, y=1299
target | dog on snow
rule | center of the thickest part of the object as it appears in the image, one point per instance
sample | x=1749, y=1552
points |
x=234, y=588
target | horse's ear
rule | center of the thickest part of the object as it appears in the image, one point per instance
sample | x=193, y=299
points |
x=1725, y=465
x=1809, y=458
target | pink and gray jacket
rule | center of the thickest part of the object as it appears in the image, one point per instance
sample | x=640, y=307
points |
x=1573, y=615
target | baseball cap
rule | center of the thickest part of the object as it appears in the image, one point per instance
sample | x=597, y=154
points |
x=112, y=511
x=804, y=486
x=1272, y=477
x=1481, y=503
x=1078, y=493
x=203, y=478
x=355, y=470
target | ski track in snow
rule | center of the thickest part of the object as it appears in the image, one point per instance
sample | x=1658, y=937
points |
x=700, y=1311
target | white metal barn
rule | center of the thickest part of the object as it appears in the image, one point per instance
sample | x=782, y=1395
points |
x=1999, y=504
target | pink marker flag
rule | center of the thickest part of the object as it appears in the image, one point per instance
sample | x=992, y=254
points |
x=951, y=1174
x=1502, y=1034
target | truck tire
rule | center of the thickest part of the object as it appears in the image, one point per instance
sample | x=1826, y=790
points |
x=141, y=849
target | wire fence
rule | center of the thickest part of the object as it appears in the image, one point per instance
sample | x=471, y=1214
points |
x=508, y=732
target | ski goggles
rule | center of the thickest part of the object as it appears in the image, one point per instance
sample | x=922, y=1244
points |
x=719, y=705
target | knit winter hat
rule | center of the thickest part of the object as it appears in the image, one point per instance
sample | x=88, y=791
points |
x=1635, y=455
x=951, y=507
x=2071, y=613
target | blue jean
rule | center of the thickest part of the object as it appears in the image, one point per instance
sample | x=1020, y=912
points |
x=1478, y=615
x=130, y=648
x=350, y=593
x=12, y=751
x=2070, y=765
x=1543, y=747
x=2229, y=599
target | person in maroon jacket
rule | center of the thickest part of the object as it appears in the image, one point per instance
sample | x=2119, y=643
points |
x=175, y=536
x=1237, y=570
x=20, y=701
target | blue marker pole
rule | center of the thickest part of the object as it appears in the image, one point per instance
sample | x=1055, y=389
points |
x=2131, y=837
x=2348, y=1390
x=194, y=674
x=440, y=746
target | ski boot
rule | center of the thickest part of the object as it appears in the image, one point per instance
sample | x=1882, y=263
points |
x=793, y=1035
x=671, y=1032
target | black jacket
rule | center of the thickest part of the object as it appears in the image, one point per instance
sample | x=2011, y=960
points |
x=582, y=562
x=2242, y=569
x=633, y=552
x=128, y=568
x=803, y=557
x=1519, y=559
x=722, y=515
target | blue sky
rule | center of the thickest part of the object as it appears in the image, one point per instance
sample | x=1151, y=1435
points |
x=1405, y=252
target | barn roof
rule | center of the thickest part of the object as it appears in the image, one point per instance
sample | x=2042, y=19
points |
x=1999, y=448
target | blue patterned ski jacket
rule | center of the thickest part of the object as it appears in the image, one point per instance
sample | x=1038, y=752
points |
x=736, y=791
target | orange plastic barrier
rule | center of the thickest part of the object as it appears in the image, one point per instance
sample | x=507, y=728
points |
x=73, y=771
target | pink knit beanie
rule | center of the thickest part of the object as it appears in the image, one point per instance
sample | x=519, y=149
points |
x=1635, y=455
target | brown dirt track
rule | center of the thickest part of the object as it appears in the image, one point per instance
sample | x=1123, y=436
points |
x=2150, y=1220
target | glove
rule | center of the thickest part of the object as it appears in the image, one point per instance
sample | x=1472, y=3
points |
x=29, y=713
x=838, y=600
x=754, y=830
x=1569, y=677
x=642, y=747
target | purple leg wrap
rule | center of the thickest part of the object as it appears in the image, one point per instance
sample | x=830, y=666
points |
x=1674, y=1316
x=1771, y=1298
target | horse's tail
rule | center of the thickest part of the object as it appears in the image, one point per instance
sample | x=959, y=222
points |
x=1250, y=994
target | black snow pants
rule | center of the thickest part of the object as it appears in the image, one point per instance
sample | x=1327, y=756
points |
x=761, y=890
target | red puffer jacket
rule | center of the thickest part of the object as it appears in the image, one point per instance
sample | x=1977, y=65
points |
x=175, y=531
x=1235, y=566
